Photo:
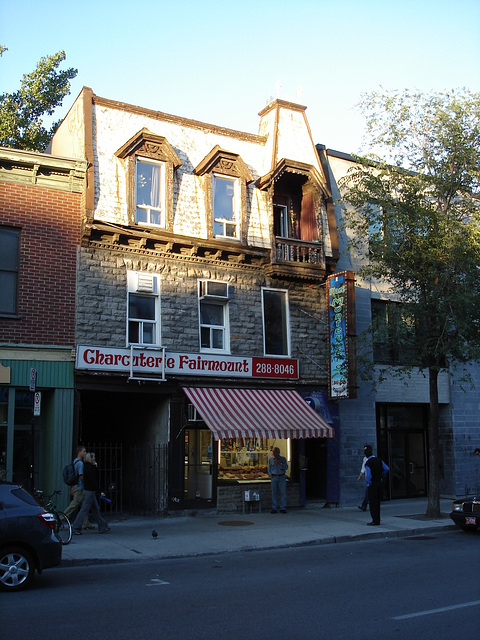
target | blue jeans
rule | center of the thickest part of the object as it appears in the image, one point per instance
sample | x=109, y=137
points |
x=90, y=502
x=279, y=486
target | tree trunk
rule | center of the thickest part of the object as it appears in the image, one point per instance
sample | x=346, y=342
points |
x=433, y=507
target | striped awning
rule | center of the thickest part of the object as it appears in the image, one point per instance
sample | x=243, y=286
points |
x=233, y=413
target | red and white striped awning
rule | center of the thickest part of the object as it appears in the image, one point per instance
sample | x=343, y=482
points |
x=279, y=413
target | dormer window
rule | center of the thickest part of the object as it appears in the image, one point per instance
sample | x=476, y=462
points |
x=150, y=162
x=226, y=212
x=149, y=192
x=225, y=179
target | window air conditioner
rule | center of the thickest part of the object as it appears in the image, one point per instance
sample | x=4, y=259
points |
x=193, y=415
x=212, y=289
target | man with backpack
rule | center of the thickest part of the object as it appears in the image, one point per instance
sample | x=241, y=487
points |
x=375, y=470
x=76, y=491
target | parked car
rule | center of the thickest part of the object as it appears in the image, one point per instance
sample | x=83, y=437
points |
x=28, y=542
x=466, y=513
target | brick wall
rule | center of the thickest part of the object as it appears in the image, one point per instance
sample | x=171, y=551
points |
x=49, y=221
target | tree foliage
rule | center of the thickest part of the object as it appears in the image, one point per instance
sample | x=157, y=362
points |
x=40, y=92
x=415, y=218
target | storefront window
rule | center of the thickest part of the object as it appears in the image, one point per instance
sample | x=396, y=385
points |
x=246, y=459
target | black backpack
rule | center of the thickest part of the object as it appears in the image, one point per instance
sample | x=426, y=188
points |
x=70, y=475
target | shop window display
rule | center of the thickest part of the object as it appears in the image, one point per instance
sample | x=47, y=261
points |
x=243, y=460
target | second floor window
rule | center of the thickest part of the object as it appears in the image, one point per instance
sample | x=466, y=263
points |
x=149, y=192
x=225, y=207
x=213, y=312
x=275, y=322
x=143, y=309
x=9, y=258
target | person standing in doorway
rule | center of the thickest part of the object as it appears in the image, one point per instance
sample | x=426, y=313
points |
x=363, y=506
x=277, y=467
x=90, y=479
x=375, y=471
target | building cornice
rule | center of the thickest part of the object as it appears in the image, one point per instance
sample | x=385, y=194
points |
x=179, y=120
x=42, y=170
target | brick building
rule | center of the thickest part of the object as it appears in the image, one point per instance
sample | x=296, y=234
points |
x=200, y=290
x=40, y=203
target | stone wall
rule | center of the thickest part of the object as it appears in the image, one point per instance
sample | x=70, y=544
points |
x=102, y=306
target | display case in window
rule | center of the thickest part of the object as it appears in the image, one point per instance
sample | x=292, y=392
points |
x=244, y=460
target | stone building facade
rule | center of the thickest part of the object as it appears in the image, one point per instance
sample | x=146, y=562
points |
x=202, y=266
x=41, y=200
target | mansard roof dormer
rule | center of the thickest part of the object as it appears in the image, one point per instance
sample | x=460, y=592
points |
x=289, y=147
x=150, y=145
x=224, y=162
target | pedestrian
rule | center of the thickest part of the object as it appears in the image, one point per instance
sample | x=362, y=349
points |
x=375, y=470
x=363, y=506
x=76, y=492
x=277, y=467
x=90, y=487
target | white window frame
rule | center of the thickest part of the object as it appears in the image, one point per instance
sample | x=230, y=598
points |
x=287, y=322
x=284, y=222
x=222, y=302
x=236, y=217
x=148, y=208
x=144, y=284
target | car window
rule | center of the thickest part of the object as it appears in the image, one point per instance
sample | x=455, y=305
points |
x=23, y=495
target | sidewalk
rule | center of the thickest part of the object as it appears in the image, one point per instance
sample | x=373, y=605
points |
x=208, y=533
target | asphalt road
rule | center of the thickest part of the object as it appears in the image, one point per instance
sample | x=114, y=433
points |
x=405, y=588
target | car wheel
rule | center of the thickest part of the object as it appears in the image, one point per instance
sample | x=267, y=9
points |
x=16, y=569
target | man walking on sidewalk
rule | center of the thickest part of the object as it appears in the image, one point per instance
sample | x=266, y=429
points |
x=375, y=470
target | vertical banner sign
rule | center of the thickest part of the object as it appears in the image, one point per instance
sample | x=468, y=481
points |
x=341, y=314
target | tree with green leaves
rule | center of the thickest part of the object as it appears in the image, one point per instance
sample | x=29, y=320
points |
x=415, y=220
x=21, y=112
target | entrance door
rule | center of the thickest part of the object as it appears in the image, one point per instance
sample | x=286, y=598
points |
x=407, y=464
x=198, y=465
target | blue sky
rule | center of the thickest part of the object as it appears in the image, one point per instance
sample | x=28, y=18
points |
x=222, y=62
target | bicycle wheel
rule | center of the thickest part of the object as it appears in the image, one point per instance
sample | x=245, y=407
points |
x=64, y=528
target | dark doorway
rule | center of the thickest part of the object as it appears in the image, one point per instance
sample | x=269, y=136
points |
x=316, y=469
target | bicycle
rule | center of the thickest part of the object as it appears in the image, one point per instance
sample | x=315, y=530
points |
x=63, y=527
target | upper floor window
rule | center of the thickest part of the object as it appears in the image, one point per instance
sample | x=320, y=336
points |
x=276, y=330
x=9, y=260
x=149, y=192
x=225, y=206
x=393, y=333
x=150, y=162
x=143, y=316
x=225, y=179
x=213, y=314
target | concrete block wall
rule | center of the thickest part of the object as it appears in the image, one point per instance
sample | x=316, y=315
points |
x=229, y=498
x=465, y=411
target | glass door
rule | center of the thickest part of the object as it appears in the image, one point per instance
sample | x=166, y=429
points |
x=198, y=466
x=407, y=464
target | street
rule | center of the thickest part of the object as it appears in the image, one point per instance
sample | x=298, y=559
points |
x=422, y=586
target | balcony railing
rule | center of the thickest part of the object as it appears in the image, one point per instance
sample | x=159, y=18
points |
x=299, y=252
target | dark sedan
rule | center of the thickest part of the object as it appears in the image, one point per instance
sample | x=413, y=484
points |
x=466, y=513
x=28, y=542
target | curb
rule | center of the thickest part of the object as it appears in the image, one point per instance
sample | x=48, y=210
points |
x=371, y=535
